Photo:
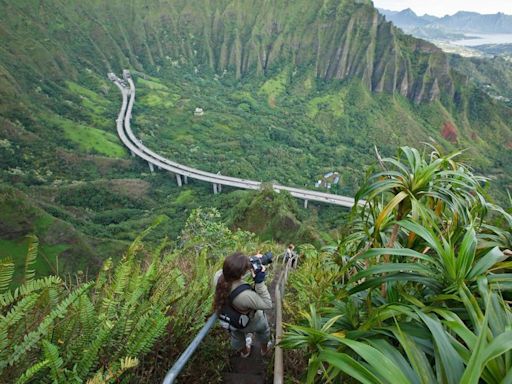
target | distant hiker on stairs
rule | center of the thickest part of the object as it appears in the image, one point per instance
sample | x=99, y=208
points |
x=291, y=255
x=240, y=306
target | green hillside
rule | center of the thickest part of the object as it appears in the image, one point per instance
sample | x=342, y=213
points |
x=291, y=91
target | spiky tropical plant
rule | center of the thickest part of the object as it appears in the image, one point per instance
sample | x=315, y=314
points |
x=427, y=187
x=422, y=234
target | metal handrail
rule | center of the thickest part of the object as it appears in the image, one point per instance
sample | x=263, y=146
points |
x=185, y=356
x=278, y=351
x=178, y=366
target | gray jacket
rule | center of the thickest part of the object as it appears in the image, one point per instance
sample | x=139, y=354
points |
x=250, y=301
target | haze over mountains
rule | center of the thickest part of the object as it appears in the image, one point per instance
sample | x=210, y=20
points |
x=449, y=26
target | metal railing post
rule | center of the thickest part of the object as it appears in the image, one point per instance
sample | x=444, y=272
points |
x=278, y=351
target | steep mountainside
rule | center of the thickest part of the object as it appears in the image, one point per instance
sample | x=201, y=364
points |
x=341, y=39
x=291, y=90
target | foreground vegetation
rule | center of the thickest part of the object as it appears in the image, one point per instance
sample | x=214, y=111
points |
x=275, y=110
x=419, y=281
x=418, y=292
x=141, y=311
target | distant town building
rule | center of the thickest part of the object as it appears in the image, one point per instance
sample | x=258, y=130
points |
x=329, y=180
x=199, y=112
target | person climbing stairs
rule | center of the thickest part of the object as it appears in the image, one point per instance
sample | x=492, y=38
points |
x=254, y=368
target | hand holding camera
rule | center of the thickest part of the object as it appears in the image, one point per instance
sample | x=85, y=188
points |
x=258, y=263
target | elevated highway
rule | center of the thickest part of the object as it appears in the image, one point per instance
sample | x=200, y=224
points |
x=123, y=124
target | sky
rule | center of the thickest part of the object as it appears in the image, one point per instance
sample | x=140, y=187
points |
x=447, y=7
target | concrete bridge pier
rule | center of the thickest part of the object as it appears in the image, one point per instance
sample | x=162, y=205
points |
x=305, y=204
x=133, y=153
x=215, y=189
x=185, y=179
x=219, y=188
x=151, y=168
x=178, y=180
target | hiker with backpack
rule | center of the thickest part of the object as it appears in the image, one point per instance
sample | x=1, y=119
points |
x=290, y=256
x=240, y=306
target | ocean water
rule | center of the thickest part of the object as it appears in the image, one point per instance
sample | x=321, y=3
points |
x=475, y=39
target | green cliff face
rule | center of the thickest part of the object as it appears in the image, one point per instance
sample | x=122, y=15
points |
x=340, y=39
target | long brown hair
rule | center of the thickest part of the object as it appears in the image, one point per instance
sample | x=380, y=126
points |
x=233, y=269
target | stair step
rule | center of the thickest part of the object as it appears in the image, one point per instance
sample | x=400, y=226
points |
x=250, y=366
x=243, y=378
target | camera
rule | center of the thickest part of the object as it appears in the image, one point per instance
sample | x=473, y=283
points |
x=258, y=262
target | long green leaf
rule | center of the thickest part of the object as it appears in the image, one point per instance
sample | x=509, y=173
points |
x=380, y=363
x=486, y=262
x=451, y=365
x=416, y=357
x=393, y=267
x=351, y=367
x=466, y=254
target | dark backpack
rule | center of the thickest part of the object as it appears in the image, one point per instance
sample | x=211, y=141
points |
x=229, y=316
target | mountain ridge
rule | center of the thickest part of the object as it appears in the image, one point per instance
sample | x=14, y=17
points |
x=462, y=21
x=341, y=39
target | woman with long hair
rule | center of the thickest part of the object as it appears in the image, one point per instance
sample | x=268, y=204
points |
x=250, y=302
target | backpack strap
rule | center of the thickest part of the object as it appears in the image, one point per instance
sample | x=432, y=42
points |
x=238, y=290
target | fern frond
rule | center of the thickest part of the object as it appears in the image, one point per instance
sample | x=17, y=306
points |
x=32, y=338
x=129, y=362
x=87, y=315
x=9, y=297
x=115, y=371
x=32, y=371
x=123, y=275
x=90, y=355
x=11, y=319
x=148, y=329
x=158, y=250
x=6, y=273
x=98, y=378
x=30, y=258
x=51, y=353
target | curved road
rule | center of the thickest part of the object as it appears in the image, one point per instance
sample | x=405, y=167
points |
x=137, y=148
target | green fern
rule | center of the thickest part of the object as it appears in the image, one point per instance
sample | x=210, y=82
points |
x=9, y=297
x=122, y=276
x=90, y=355
x=51, y=353
x=148, y=329
x=87, y=318
x=30, y=258
x=11, y=319
x=6, y=273
x=32, y=371
x=31, y=339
